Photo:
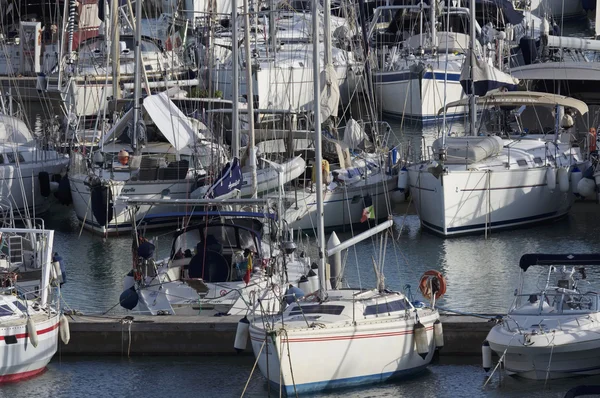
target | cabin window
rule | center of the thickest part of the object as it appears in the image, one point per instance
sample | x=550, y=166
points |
x=12, y=159
x=5, y=310
x=20, y=306
x=384, y=308
x=522, y=162
x=317, y=309
x=537, y=160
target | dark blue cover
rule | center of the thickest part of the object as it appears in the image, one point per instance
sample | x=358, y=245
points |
x=230, y=178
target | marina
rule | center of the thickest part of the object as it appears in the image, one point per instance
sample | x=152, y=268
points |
x=334, y=198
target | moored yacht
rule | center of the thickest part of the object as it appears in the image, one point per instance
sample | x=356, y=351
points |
x=474, y=184
x=552, y=332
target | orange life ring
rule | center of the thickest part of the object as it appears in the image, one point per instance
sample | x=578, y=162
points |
x=437, y=284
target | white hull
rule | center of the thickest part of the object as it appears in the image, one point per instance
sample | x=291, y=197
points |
x=21, y=360
x=155, y=216
x=407, y=95
x=342, y=206
x=464, y=202
x=313, y=359
x=28, y=195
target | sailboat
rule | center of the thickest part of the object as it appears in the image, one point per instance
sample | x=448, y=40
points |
x=421, y=72
x=499, y=178
x=30, y=170
x=30, y=318
x=337, y=338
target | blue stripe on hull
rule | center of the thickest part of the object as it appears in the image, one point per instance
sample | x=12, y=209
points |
x=349, y=382
x=424, y=119
x=406, y=76
x=495, y=224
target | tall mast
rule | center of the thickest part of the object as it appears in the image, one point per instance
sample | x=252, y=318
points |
x=250, y=96
x=472, y=107
x=326, y=32
x=137, y=85
x=318, y=153
x=235, y=88
x=116, y=51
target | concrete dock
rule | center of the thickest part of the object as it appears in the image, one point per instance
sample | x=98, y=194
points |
x=204, y=335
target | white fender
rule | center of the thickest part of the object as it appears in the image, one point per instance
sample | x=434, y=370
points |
x=56, y=271
x=241, y=335
x=586, y=187
x=551, y=178
x=563, y=180
x=32, y=332
x=486, y=354
x=65, y=332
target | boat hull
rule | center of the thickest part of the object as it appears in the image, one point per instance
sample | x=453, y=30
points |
x=541, y=360
x=21, y=184
x=153, y=216
x=418, y=97
x=463, y=202
x=342, y=207
x=303, y=368
x=21, y=360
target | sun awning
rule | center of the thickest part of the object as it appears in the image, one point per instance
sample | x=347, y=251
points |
x=520, y=98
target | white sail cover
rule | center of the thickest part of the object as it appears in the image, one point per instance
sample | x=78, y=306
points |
x=168, y=118
x=354, y=134
x=14, y=130
x=469, y=150
x=330, y=92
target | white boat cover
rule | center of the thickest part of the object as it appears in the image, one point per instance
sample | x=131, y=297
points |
x=171, y=122
x=354, y=135
x=469, y=149
x=14, y=131
x=168, y=118
x=330, y=92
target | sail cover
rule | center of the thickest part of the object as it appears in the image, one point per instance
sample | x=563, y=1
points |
x=230, y=178
x=330, y=92
x=486, y=77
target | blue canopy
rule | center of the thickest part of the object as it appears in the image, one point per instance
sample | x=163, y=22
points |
x=527, y=260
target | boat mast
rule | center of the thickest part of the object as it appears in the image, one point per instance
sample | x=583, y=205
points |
x=472, y=108
x=116, y=51
x=235, y=88
x=250, y=100
x=137, y=85
x=318, y=152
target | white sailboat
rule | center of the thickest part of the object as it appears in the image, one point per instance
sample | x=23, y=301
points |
x=30, y=320
x=224, y=264
x=479, y=183
x=321, y=341
x=421, y=72
x=29, y=171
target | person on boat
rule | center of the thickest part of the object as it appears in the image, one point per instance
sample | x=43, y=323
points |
x=208, y=253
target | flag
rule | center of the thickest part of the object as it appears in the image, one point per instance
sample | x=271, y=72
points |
x=246, y=277
x=368, y=211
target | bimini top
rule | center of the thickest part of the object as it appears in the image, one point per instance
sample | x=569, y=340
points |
x=527, y=260
x=520, y=98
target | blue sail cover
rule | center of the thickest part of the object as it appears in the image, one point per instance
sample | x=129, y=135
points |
x=230, y=178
